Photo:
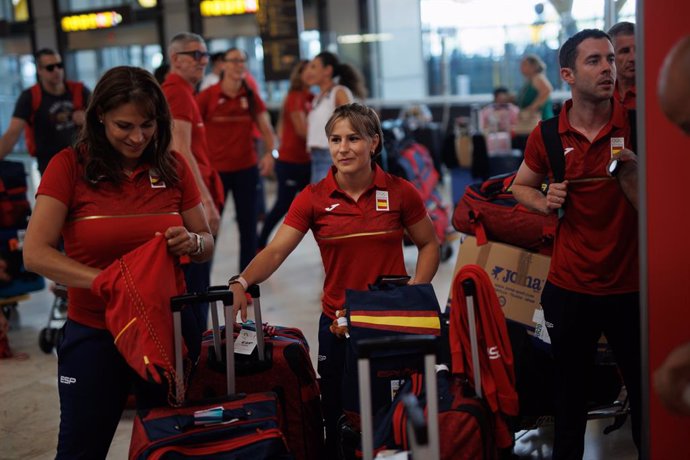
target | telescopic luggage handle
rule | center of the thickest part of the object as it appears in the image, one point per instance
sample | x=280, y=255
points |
x=255, y=292
x=470, y=290
x=177, y=304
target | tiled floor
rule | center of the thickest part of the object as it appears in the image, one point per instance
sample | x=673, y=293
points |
x=29, y=408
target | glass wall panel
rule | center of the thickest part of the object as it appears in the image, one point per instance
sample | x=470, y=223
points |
x=472, y=46
x=89, y=65
x=18, y=72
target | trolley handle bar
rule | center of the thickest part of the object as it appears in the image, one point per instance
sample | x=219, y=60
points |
x=178, y=303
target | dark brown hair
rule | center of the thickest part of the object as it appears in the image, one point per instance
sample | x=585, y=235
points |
x=118, y=86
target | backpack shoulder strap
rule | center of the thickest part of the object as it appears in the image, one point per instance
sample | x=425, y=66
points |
x=632, y=118
x=554, y=148
x=36, y=95
x=76, y=88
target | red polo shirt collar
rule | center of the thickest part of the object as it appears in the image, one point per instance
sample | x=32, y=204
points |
x=332, y=186
x=618, y=119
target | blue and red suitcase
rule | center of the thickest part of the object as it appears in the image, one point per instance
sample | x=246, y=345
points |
x=281, y=364
x=236, y=426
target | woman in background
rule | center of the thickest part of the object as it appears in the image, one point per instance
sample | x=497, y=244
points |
x=338, y=84
x=293, y=165
x=535, y=94
x=230, y=109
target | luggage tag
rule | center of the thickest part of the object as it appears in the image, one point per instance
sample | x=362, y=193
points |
x=245, y=342
x=617, y=145
x=540, y=330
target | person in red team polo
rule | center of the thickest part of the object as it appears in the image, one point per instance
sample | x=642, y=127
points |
x=188, y=58
x=111, y=193
x=358, y=214
x=593, y=281
x=229, y=110
x=623, y=38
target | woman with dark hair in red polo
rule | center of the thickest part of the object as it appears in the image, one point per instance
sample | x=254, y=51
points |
x=293, y=165
x=358, y=215
x=111, y=193
x=230, y=109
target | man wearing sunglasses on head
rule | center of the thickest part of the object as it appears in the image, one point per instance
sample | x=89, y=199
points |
x=51, y=111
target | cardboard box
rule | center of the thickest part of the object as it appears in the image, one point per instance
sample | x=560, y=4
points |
x=517, y=275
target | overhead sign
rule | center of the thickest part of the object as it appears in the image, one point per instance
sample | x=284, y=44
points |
x=280, y=24
x=94, y=20
x=227, y=7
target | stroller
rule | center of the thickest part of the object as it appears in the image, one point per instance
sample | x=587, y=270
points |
x=404, y=157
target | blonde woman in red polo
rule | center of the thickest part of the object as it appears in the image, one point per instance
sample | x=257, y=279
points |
x=358, y=215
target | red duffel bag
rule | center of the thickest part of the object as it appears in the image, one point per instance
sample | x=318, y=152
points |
x=489, y=211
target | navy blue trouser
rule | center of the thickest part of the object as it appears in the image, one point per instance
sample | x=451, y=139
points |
x=331, y=364
x=575, y=322
x=195, y=318
x=292, y=177
x=243, y=185
x=93, y=382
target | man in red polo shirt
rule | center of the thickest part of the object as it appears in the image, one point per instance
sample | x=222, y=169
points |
x=188, y=57
x=592, y=286
x=623, y=39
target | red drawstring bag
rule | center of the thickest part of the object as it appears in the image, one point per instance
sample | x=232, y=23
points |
x=137, y=288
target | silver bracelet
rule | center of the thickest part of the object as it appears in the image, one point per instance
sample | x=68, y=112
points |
x=199, y=245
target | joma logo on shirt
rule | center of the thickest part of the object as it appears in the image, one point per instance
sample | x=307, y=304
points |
x=513, y=277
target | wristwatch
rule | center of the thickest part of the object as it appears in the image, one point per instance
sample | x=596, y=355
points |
x=199, y=245
x=237, y=279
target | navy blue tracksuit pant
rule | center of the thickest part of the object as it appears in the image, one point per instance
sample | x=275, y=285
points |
x=331, y=364
x=94, y=382
x=243, y=185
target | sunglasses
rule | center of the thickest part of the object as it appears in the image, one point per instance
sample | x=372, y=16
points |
x=196, y=54
x=51, y=67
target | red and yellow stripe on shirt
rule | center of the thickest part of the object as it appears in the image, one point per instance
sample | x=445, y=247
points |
x=404, y=321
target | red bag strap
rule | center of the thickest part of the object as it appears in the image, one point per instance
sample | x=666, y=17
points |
x=36, y=95
x=76, y=88
x=478, y=228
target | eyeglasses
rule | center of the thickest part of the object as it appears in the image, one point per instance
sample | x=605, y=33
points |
x=196, y=54
x=236, y=60
x=51, y=67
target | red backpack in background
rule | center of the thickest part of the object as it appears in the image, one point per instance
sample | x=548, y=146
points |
x=74, y=87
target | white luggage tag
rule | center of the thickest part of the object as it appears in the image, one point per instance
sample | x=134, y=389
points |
x=245, y=342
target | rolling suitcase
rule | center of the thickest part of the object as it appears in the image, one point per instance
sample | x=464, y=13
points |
x=423, y=434
x=237, y=426
x=280, y=363
x=465, y=422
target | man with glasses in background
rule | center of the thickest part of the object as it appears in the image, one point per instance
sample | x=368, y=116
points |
x=188, y=58
x=52, y=111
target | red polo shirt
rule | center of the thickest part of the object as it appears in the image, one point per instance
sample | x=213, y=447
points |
x=105, y=221
x=629, y=99
x=229, y=123
x=596, y=249
x=180, y=96
x=293, y=148
x=359, y=240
